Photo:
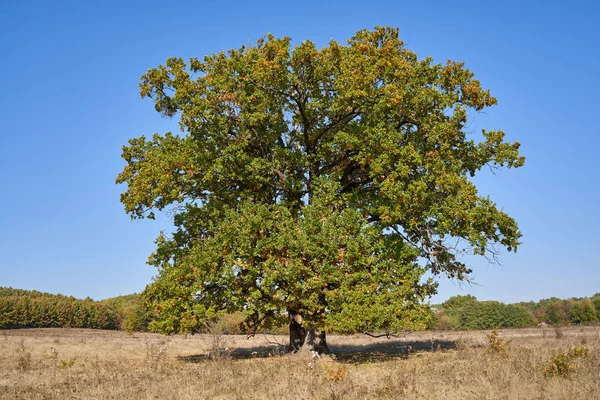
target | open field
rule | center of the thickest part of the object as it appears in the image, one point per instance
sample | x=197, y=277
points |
x=84, y=364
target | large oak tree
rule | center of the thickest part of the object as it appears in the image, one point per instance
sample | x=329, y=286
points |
x=314, y=187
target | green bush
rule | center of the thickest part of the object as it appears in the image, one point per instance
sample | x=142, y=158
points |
x=563, y=364
x=497, y=345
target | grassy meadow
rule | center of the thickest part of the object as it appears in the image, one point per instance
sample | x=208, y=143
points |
x=548, y=363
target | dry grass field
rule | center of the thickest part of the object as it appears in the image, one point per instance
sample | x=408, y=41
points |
x=86, y=364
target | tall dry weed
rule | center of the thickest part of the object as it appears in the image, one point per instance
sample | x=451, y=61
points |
x=24, y=360
x=217, y=340
x=156, y=355
x=558, y=332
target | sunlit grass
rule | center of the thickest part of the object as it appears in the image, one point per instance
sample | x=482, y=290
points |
x=84, y=364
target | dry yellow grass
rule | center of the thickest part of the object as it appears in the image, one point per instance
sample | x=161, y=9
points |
x=89, y=364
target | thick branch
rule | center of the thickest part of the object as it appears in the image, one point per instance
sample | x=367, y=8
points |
x=388, y=335
x=328, y=167
x=345, y=118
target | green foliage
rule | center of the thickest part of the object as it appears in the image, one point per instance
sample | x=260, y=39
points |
x=557, y=312
x=134, y=313
x=466, y=312
x=493, y=314
x=441, y=322
x=24, y=308
x=564, y=364
x=582, y=312
x=32, y=309
x=9, y=291
x=318, y=182
x=561, y=312
x=455, y=303
x=596, y=302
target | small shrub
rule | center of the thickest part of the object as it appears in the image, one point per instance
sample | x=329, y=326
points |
x=564, y=364
x=335, y=373
x=156, y=354
x=217, y=339
x=497, y=345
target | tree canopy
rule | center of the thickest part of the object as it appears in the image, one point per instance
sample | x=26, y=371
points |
x=319, y=183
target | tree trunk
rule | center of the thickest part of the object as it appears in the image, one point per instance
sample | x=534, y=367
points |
x=297, y=332
x=304, y=340
x=315, y=341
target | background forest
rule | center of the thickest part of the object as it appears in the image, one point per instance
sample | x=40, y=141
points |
x=32, y=309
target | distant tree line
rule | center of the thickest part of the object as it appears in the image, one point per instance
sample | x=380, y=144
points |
x=466, y=312
x=32, y=309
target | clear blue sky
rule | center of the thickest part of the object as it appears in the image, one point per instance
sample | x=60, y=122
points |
x=69, y=72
